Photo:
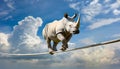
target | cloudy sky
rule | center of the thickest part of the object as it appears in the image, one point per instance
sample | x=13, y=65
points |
x=21, y=23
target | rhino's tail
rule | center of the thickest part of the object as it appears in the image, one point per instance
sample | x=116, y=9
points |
x=44, y=32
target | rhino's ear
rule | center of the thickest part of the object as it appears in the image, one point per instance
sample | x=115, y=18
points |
x=66, y=15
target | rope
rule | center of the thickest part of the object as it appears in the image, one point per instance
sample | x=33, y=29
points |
x=95, y=45
x=84, y=47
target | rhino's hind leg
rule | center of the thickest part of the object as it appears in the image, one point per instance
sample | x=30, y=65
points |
x=54, y=46
x=49, y=47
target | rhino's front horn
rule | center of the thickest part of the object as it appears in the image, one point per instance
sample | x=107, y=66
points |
x=78, y=22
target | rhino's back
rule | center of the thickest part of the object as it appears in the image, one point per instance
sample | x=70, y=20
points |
x=51, y=29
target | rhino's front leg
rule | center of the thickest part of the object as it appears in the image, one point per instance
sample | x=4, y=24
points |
x=63, y=40
x=68, y=38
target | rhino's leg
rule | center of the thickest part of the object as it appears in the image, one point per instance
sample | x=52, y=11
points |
x=68, y=38
x=63, y=48
x=49, y=47
x=54, y=46
x=64, y=41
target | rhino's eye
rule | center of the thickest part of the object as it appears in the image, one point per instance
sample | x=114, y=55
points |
x=70, y=25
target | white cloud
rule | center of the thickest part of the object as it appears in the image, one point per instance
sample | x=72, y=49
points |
x=32, y=61
x=71, y=45
x=89, y=11
x=24, y=36
x=95, y=7
x=87, y=41
x=116, y=12
x=102, y=55
x=115, y=5
x=103, y=22
x=4, y=45
x=95, y=56
x=10, y=3
x=92, y=10
x=75, y=6
x=116, y=35
x=94, y=2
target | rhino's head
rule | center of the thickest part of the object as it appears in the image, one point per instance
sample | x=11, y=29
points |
x=71, y=25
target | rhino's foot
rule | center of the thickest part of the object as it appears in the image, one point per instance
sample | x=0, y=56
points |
x=63, y=48
x=51, y=51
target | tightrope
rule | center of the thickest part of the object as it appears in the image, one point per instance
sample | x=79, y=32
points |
x=83, y=47
x=95, y=45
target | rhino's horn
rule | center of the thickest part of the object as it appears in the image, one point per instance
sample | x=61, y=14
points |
x=78, y=22
x=66, y=15
x=74, y=16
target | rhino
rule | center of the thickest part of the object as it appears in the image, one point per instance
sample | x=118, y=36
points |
x=61, y=31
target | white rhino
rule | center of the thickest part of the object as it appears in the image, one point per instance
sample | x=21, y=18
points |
x=61, y=31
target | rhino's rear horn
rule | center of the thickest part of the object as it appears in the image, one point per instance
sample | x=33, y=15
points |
x=74, y=16
x=70, y=18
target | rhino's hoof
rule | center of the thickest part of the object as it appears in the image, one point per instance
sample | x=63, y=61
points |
x=52, y=52
x=63, y=49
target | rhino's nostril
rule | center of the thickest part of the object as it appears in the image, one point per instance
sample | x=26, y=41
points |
x=76, y=32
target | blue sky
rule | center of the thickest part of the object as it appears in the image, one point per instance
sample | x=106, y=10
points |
x=21, y=23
